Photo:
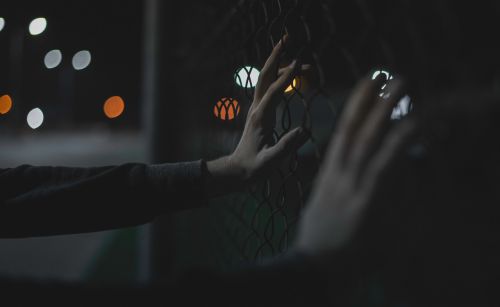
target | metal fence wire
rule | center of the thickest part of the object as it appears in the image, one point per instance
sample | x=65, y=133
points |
x=342, y=41
x=262, y=221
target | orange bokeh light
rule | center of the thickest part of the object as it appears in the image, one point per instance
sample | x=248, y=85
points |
x=227, y=109
x=114, y=107
x=295, y=84
x=5, y=104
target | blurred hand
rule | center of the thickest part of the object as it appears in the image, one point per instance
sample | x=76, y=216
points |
x=358, y=153
x=256, y=154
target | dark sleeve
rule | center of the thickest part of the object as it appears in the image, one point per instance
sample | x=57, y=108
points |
x=38, y=201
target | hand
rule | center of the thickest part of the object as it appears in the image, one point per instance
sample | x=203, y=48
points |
x=256, y=155
x=358, y=153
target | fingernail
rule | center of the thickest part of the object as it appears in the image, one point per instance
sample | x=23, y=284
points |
x=294, y=62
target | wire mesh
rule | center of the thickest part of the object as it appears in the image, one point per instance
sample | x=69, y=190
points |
x=342, y=41
x=263, y=220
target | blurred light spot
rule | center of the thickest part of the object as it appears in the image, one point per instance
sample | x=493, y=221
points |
x=53, y=58
x=81, y=59
x=402, y=108
x=35, y=118
x=37, y=26
x=227, y=109
x=247, y=76
x=388, y=77
x=114, y=106
x=295, y=85
x=378, y=72
x=2, y=23
x=5, y=104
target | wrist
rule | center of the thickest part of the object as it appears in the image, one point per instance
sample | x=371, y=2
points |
x=223, y=176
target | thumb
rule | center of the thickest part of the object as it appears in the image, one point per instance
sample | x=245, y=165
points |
x=291, y=141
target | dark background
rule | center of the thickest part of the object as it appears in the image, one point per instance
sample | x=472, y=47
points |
x=171, y=62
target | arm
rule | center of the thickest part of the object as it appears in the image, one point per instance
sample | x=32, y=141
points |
x=57, y=200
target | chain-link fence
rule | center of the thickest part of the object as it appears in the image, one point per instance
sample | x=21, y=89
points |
x=342, y=41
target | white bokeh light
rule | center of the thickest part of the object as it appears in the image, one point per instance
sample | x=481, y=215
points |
x=53, y=58
x=388, y=77
x=37, y=26
x=385, y=73
x=2, y=23
x=81, y=59
x=247, y=76
x=402, y=108
x=35, y=118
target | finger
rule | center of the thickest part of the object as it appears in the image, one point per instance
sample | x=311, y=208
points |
x=358, y=106
x=270, y=70
x=303, y=68
x=375, y=126
x=290, y=142
x=391, y=146
x=275, y=90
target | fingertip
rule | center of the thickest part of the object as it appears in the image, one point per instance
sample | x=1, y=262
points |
x=397, y=82
x=301, y=136
x=395, y=90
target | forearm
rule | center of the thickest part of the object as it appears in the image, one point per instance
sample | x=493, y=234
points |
x=56, y=200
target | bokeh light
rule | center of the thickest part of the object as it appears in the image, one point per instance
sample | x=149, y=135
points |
x=402, y=108
x=37, y=26
x=81, y=59
x=388, y=77
x=247, y=76
x=2, y=23
x=295, y=85
x=227, y=109
x=114, y=107
x=35, y=118
x=53, y=58
x=5, y=104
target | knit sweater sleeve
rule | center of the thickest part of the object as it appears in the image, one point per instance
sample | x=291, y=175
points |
x=38, y=201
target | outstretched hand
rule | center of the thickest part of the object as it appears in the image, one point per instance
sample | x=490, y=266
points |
x=359, y=152
x=256, y=154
